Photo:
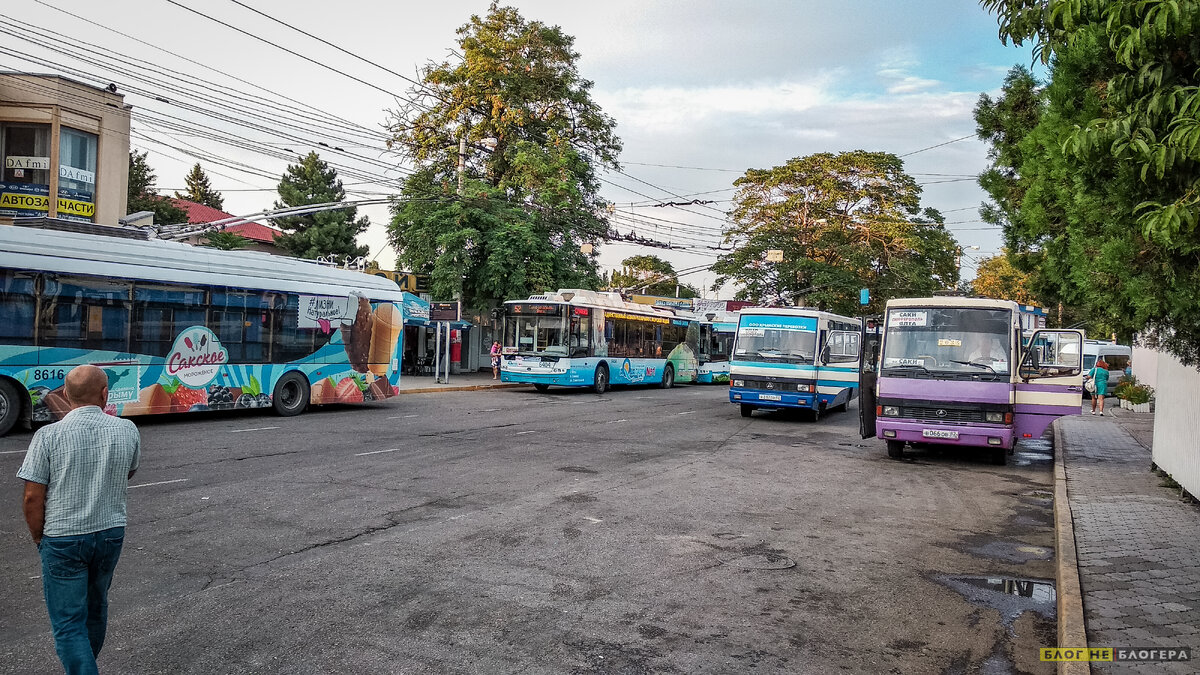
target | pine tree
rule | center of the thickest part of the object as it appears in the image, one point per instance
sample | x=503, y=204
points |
x=200, y=191
x=325, y=233
x=144, y=197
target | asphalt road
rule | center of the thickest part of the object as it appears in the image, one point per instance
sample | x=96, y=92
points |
x=510, y=531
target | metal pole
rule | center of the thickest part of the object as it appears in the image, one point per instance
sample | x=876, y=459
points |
x=447, y=380
x=437, y=352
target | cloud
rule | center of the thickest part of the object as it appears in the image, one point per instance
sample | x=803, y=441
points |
x=659, y=109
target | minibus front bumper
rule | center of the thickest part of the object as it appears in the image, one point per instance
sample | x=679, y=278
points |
x=973, y=435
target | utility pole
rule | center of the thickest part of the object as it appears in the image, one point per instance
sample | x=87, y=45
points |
x=462, y=160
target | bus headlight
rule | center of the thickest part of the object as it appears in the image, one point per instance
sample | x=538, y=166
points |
x=738, y=383
x=997, y=417
x=806, y=388
x=891, y=411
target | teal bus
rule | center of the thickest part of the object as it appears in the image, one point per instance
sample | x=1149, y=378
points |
x=181, y=328
x=583, y=338
x=794, y=357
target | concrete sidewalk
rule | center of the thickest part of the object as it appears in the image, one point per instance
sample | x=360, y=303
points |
x=424, y=384
x=1137, y=543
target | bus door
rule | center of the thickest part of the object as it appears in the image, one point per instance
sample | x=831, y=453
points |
x=867, y=375
x=1050, y=381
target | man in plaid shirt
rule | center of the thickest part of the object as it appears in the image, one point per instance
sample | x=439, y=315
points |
x=76, y=474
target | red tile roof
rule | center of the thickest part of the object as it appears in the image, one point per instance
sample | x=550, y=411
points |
x=200, y=213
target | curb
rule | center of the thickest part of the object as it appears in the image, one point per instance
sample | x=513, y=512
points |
x=466, y=387
x=1072, y=629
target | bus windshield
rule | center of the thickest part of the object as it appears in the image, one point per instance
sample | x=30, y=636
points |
x=536, y=329
x=949, y=341
x=776, y=345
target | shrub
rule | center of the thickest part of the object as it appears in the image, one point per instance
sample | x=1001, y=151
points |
x=1137, y=393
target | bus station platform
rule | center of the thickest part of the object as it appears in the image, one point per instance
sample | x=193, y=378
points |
x=426, y=384
x=1128, y=545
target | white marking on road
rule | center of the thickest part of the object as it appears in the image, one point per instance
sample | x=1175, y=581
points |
x=238, y=431
x=12, y=452
x=616, y=421
x=374, y=452
x=491, y=410
x=594, y=520
x=461, y=515
x=161, y=482
x=522, y=433
x=227, y=583
x=686, y=412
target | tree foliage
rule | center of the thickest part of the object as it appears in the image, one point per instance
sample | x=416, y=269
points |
x=225, y=241
x=532, y=139
x=324, y=233
x=843, y=222
x=143, y=196
x=199, y=190
x=996, y=277
x=1109, y=184
x=651, y=275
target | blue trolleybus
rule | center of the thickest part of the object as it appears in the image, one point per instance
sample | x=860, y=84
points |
x=792, y=357
x=581, y=338
x=180, y=328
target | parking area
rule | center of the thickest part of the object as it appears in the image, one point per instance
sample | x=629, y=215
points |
x=644, y=530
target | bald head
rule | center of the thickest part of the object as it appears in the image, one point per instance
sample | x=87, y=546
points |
x=87, y=385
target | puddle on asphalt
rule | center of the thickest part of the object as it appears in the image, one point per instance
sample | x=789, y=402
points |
x=1033, y=452
x=1008, y=595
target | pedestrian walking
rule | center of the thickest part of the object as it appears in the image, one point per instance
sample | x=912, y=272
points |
x=1099, y=376
x=76, y=475
x=495, y=360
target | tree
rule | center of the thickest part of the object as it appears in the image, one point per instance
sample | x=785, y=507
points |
x=199, y=190
x=225, y=241
x=144, y=197
x=1111, y=199
x=507, y=141
x=842, y=222
x=651, y=275
x=324, y=233
x=997, y=278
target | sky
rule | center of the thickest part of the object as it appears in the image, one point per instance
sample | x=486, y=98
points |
x=700, y=90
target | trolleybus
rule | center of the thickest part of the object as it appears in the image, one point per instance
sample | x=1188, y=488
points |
x=180, y=328
x=582, y=338
x=717, y=330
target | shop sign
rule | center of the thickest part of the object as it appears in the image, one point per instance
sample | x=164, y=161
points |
x=31, y=163
x=78, y=175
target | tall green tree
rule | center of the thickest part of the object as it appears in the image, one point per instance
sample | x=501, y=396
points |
x=199, y=190
x=651, y=275
x=324, y=233
x=143, y=196
x=1111, y=194
x=840, y=223
x=507, y=141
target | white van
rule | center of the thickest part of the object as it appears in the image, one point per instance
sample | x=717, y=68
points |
x=1118, y=357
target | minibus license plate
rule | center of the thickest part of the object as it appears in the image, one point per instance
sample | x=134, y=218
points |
x=939, y=433
x=770, y=397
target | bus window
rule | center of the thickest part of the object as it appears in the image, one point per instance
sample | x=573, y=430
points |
x=17, y=308
x=161, y=312
x=84, y=313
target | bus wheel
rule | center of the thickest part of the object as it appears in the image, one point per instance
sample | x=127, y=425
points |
x=668, y=380
x=291, y=395
x=895, y=449
x=10, y=406
x=747, y=410
x=541, y=387
x=600, y=383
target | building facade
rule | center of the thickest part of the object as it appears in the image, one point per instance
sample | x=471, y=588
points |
x=63, y=138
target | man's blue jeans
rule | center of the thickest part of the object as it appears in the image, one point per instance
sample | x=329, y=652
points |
x=76, y=573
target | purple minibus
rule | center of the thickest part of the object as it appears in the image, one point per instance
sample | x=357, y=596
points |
x=960, y=371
